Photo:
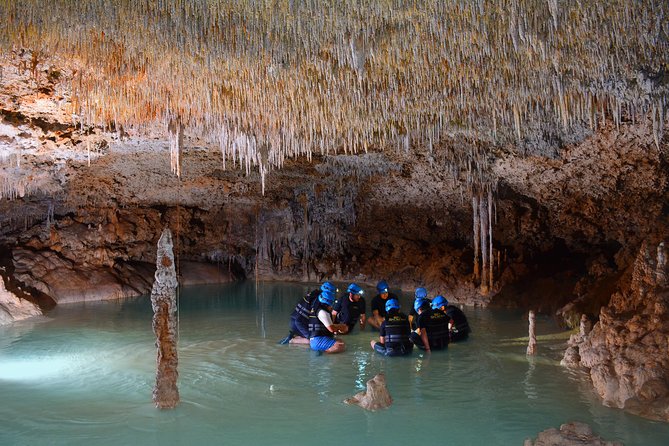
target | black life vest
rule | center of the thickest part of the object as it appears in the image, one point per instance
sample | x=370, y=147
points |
x=316, y=327
x=460, y=328
x=304, y=305
x=437, y=329
x=397, y=330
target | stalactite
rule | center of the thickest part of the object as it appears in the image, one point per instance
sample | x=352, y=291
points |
x=483, y=217
x=176, y=131
x=477, y=229
x=491, y=256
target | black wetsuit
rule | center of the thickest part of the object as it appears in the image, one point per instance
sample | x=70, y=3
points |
x=396, y=332
x=436, y=324
x=349, y=312
x=299, y=318
x=460, y=329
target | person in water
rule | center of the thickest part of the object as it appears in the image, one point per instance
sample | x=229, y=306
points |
x=351, y=308
x=299, y=318
x=432, y=327
x=322, y=328
x=458, y=326
x=378, y=305
x=420, y=293
x=394, y=333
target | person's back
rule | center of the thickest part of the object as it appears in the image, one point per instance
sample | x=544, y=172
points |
x=460, y=326
x=395, y=331
x=437, y=328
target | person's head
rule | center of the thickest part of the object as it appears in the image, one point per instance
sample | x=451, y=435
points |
x=329, y=287
x=382, y=289
x=421, y=304
x=421, y=293
x=392, y=304
x=326, y=298
x=439, y=302
x=354, y=292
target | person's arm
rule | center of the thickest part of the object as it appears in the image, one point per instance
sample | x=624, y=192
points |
x=363, y=321
x=426, y=342
x=326, y=319
x=382, y=341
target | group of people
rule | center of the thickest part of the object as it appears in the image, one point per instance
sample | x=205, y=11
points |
x=430, y=325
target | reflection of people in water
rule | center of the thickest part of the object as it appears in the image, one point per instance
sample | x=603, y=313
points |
x=394, y=332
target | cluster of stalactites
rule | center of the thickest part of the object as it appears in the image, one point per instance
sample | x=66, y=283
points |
x=272, y=79
x=484, y=253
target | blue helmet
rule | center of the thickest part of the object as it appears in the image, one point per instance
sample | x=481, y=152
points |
x=392, y=304
x=420, y=302
x=382, y=287
x=354, y=289
x=439, y=301
x=421, y=293
x=327, y=298
x=329, y=287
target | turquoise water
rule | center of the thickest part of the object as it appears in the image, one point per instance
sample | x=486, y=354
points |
x=84, y=376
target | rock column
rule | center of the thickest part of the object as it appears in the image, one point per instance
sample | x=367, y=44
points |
x=164, y=303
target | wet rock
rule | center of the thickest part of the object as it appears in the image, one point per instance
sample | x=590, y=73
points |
x=627, y=351
x=12, y=308
x=375, y=397
x=164, y=304
x=570, y=434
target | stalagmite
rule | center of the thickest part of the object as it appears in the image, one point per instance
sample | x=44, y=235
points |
x=375, y=397
x=532, y=344
x=164, y=304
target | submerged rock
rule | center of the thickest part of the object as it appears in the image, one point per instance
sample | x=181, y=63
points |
x=375, y=397
x=570, y=434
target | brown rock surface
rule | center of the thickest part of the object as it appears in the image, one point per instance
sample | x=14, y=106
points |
x=627, y=351
x=570, y=434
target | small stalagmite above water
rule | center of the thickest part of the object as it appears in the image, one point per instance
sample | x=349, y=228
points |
x=375, y=397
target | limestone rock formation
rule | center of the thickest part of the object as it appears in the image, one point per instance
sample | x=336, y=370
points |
x=570, y=434
x=375, y=397
x=627, y=351
x=164, y=304
x=12, y=308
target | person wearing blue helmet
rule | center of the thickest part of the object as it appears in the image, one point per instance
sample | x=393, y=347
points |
x=299, y=318
x=394, y=333
x=350, y=308
x=322, y=328
x=432, y=327
x=420, y=293
x=378, y=304
x=458, y=326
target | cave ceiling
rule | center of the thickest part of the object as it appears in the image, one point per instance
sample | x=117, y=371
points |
x=270, y=80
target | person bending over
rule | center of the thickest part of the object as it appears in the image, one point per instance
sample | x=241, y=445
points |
x=299, y=318
x=321, y=327
x=458, y=326
x=432, y=331
x=394, y=332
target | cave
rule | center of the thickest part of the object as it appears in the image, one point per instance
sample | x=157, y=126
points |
x=510, y=155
